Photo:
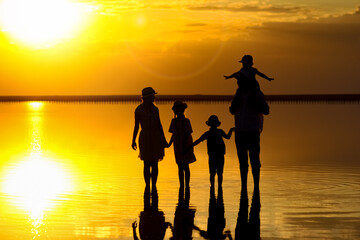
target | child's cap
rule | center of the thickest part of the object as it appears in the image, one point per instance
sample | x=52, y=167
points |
x=179, y=105
x=213, y=121
x=147, y=92
x=246, y=59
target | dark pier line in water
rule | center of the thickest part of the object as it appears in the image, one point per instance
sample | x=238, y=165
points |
x=306, y=98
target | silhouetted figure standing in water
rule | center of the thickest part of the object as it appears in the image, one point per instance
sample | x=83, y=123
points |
x=181, y=130
x=248, y=110
x=248, y=228
x=152, y=139
x=152, y=225
x=216, y=148
x=184, y=217
x=216, y=220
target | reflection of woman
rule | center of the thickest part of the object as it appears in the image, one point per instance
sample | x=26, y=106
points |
x=152, y=139
x=152, y=225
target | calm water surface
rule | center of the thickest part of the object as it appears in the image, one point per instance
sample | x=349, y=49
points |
x=67, y=171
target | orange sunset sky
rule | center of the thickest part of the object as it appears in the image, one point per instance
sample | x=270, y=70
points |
x=63, y=47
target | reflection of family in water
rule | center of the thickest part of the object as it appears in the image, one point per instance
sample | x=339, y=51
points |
x=248, y=107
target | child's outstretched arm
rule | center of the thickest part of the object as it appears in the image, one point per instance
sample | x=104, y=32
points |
x=264, y=76
x=232, y=75
x=228, y=136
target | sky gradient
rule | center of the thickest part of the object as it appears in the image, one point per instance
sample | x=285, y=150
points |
x=182, y=47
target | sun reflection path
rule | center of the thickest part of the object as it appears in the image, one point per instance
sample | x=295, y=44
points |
x=36, y=183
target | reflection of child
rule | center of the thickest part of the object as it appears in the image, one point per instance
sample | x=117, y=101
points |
x=247, y=73
x=216, y=148
x=181, y=130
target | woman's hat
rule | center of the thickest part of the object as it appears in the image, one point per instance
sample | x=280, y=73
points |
x=179, y=105
x=148, y=91
x=213, y=121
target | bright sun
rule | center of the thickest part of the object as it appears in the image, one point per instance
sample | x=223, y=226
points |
x=40, y=22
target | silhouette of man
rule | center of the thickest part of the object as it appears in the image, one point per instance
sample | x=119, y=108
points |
x=248, y=108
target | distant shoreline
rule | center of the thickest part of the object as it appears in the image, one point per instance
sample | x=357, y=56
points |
x=329, y=98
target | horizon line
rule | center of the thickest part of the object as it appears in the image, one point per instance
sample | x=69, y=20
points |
x=186, y=97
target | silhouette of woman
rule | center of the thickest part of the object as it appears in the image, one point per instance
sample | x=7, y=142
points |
x=152, y=139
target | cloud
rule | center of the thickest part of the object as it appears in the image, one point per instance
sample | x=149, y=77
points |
x=116, y=6
x=250, y=8
x=318, y=56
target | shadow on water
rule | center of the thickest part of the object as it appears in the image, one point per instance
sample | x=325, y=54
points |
x=248, y=225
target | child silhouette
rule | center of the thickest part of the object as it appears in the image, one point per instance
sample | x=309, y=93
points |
x=181, y=130
x=216, y=148
x=248, y=73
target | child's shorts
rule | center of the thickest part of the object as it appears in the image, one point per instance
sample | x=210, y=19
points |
x=216, y=163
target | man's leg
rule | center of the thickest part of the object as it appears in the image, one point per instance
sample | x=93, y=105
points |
x=243, y=157
x=254, y=154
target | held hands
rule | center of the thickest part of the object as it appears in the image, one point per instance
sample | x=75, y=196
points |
x=167, y=145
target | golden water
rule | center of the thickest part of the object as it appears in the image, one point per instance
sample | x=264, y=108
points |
x=67, y=171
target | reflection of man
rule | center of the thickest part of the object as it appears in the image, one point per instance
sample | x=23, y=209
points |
x=248, y=107
x=248, y=228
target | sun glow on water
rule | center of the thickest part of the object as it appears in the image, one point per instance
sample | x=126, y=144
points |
x=35, y=184
x=41, y=22
x=36, y=105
